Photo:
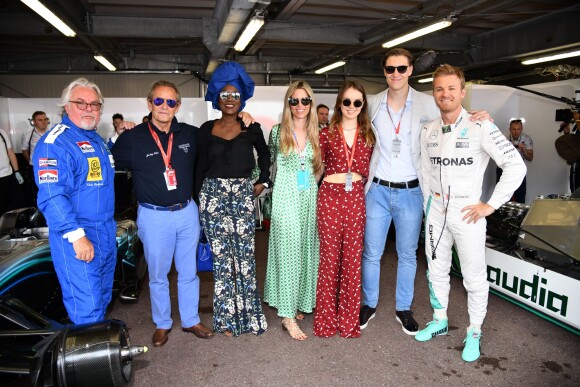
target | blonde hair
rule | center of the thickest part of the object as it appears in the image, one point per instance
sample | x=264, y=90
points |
x=446, y=69
x=286, y=139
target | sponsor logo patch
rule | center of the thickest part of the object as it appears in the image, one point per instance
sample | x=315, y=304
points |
x=433, y=134
x=45, y=162
x=462, y=145
x=85, y=146
x=47, y=176
x=457, y=161
x=184, y=147
x=54, y=133
x=432, y=144
x=95, y=172
x=463, y=133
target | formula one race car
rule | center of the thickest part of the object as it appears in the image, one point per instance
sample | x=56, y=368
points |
x=27, y=273
x=36, y=351
x=35, y=347
x=533, y=257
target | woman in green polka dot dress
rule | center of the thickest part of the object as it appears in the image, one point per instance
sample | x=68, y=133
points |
x=292, y=268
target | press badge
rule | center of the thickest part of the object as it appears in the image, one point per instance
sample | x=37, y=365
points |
x=170, y=179
x=348, y=182
x=396, y=150
x=303, y=181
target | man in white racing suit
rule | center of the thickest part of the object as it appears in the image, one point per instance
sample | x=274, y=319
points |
x=454, y=155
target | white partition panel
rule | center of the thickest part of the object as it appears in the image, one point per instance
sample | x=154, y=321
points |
x=547, y=173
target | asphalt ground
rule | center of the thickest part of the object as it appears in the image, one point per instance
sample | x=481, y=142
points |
x=518, y=347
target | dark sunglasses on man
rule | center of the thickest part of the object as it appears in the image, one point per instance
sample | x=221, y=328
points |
x=170, y=102
x=400, y=69
x=294, y=101
x=357, y=102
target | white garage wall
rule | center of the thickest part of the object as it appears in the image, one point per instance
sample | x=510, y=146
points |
x=547, y=173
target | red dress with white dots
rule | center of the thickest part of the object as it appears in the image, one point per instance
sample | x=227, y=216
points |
x=341, y=221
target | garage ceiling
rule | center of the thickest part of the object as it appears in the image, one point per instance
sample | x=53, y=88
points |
x=488, y=38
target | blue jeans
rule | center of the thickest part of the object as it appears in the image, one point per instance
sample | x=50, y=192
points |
x=171, y=236
x=405, y=208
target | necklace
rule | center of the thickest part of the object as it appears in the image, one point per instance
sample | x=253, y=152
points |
x=349, y=130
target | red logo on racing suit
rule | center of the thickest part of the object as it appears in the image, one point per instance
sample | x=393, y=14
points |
x=47, y=176
x=85, y=146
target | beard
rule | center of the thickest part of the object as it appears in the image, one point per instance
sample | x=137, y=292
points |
x=88, y=123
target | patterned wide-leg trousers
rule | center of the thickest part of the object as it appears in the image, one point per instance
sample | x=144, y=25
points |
x=341, y=222
x=227, y=215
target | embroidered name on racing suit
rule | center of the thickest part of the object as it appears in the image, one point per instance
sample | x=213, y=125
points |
x=451, y=161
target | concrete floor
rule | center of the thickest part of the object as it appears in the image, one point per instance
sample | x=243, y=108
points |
x=518, y=348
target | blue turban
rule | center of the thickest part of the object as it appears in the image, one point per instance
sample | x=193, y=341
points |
x=229, y=73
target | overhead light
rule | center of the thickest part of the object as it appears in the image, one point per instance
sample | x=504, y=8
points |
x=330, y=67
x=551, y=58
x=420, y=32
x=251, y=29
x=50, y=17
x=102, y=60
x=425, y=80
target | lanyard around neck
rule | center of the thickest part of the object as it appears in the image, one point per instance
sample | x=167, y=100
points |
x=166, y=156
x=398, y=126
x=301, y=152
x=349, y=159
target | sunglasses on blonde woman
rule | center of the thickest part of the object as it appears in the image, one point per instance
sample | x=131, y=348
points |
x=294, y=101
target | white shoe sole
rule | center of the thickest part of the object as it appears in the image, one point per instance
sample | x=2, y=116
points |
x=403, y=327
x=367, y=323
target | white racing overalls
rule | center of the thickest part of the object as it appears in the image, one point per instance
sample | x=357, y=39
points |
x=453, y=163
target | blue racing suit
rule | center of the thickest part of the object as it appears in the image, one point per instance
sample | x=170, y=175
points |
x=75, y=173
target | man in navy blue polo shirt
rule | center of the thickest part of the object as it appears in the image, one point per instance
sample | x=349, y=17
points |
x=160, y=154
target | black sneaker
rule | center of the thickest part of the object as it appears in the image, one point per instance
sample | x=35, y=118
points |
x=410, y=326
x=366, y=314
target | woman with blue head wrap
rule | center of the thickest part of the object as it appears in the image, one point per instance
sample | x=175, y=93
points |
x=226, y=200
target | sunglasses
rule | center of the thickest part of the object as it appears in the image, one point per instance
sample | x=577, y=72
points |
x=294, y=101
x=357, y=102
x=224, y=95
x=170, y=102
x=400, y=69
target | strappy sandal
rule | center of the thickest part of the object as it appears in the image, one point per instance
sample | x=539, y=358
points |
x=291, y=326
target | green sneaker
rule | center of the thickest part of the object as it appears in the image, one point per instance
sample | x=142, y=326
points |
x=472, y=344
x=434, y=328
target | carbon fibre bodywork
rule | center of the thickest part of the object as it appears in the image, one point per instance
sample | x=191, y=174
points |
x=27, y=272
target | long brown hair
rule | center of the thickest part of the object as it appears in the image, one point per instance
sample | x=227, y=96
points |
x=286, y=140
x=362, y=120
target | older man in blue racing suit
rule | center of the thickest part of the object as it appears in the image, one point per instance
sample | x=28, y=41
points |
x=454, y=155
x=74, y=171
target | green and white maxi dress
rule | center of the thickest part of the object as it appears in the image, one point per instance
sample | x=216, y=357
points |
x=293, y=246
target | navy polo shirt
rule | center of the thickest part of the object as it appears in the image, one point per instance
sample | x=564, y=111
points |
x=137, y=151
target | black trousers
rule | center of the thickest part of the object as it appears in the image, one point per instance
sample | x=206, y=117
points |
x=11, y=195
x=575, y=176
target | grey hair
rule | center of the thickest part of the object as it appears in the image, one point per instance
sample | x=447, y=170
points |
x=164, y=83
x=82, y=82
